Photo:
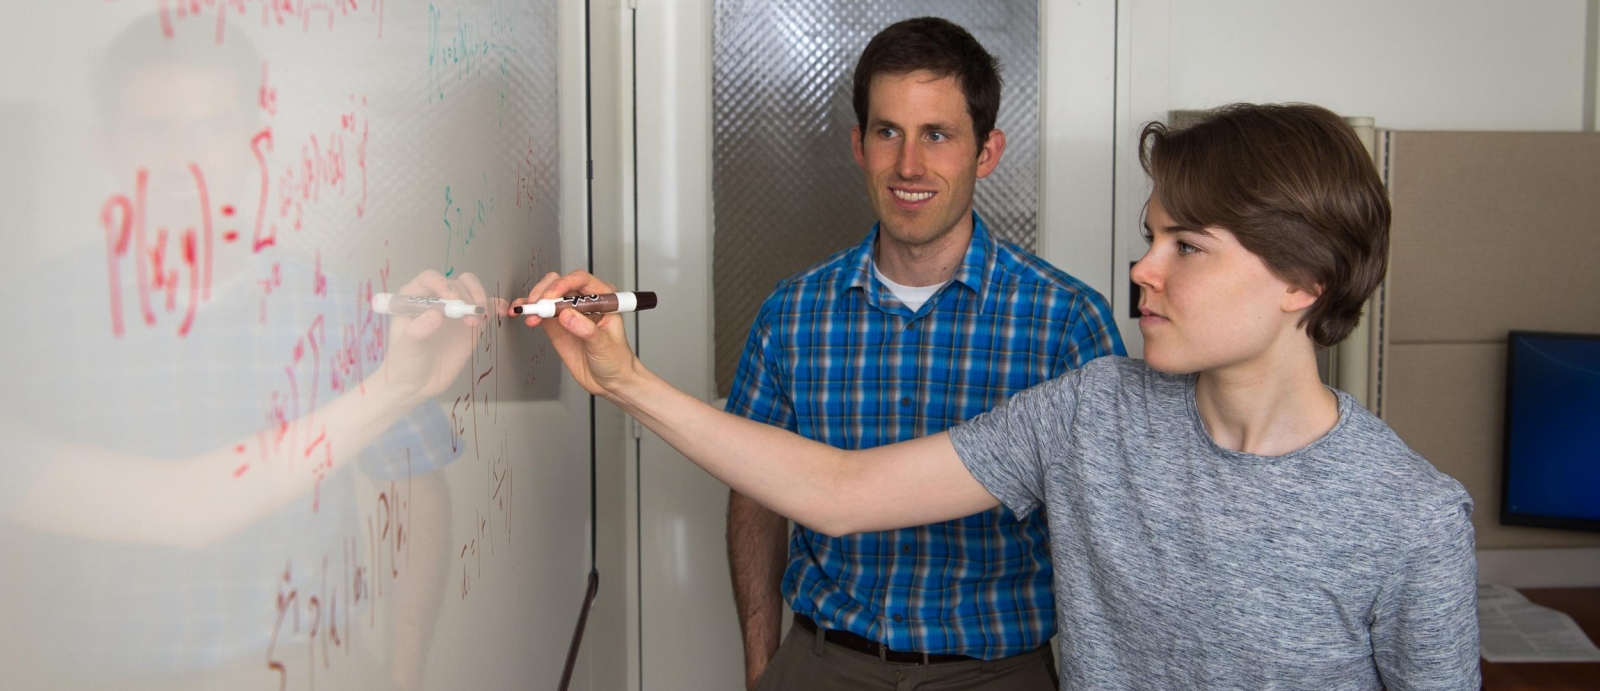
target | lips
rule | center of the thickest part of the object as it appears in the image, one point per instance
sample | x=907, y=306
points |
x=910, y=199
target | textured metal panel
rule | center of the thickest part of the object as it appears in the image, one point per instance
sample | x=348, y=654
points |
x=787, y=192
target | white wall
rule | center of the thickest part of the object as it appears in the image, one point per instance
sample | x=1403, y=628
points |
x=1411, y=64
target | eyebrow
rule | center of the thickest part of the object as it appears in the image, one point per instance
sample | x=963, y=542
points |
x=1175, y=229
x=924, y=127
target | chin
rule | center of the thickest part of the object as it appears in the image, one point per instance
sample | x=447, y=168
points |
x=1163, y=360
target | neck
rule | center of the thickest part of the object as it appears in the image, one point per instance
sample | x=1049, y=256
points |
x=926, y=264
x=1269, y=406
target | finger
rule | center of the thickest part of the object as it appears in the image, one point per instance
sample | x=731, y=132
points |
x=468, y=288
x=578, y=282
x=439, y=286
x=475, y=292
x=539, y=288
x=424, y=324
x=578, y=324
x=422, y=284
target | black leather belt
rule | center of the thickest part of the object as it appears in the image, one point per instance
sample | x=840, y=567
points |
x=850, y=641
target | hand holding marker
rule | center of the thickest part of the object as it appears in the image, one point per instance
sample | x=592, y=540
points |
x=390, y=303
x=588, y=304
x=604, y=303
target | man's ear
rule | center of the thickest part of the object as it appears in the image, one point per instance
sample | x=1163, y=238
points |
x=989, y=154
x=855, y=147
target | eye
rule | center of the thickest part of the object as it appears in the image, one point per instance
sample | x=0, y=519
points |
x=1148, y=239
x=938, y=136
x=1185, y=248
x=888, y=133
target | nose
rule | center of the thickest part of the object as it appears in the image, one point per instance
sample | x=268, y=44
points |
x=909, y=166
x=1146, y=272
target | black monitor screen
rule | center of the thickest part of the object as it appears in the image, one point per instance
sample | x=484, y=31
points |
x=1552, y=454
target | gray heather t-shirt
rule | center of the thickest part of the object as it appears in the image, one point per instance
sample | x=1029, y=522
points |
x=1347, y=564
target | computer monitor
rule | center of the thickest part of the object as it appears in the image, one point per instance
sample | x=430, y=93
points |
x=1552, y=433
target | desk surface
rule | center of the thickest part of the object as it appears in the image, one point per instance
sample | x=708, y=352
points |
x=1583, y=605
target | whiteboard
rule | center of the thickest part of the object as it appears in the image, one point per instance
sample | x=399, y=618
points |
x=221, y=468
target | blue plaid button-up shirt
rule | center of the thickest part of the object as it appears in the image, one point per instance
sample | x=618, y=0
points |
x=834, y=356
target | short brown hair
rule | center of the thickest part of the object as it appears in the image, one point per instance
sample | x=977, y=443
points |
x=938, y=46
x=1294, y=184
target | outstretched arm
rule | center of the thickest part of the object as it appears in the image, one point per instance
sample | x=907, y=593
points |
x=108, y=494
x=830, y=490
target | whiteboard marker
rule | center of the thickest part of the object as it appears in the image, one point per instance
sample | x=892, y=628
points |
x=390, y=303
x=588, y=304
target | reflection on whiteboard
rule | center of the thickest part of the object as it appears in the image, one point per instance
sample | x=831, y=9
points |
x=223, y=468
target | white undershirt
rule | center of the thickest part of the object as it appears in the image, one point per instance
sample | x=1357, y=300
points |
x=912, y=296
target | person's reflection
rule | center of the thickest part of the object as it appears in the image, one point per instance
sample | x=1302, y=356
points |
x=181, y=505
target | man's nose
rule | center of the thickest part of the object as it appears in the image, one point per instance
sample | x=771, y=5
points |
x=909, y=165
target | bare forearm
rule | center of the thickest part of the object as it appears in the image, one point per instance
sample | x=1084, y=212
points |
x=796, y=477
x=826, y=489
x=104, y=494
x=756, y=560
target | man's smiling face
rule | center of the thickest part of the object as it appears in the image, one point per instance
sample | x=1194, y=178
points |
x=920, y=156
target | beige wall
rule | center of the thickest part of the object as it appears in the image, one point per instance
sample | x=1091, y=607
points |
x=1492, y=232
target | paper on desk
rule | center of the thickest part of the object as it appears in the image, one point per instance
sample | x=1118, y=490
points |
x=1511, y=629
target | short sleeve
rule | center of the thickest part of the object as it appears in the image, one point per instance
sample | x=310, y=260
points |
x=415, y=445
x=758, y=392
x=1007, y=448
x=1424, y=624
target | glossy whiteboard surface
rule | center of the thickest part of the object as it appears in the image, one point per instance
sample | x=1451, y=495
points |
x=219, y=467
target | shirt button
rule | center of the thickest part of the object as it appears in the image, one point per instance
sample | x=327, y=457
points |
x=906, y=400
x=905, y=549
x=899, y=618
x=911, y=327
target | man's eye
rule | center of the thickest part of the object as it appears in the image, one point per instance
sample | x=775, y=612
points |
x=888, y=132
x=1186, y=248
x=938, y=136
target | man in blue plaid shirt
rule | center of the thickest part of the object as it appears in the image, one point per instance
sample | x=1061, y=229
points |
x=925, y=324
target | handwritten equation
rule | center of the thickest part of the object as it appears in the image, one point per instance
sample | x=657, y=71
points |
x=303, y=14
x=356, y=582
x=227, y=231
x=474, y=48
x=170, y=261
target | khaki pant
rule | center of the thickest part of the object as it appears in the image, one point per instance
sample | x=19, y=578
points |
x=805, y=662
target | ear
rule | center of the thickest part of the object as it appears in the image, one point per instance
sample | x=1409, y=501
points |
x=1298, y=299
x=989, y=154
x=855, y=147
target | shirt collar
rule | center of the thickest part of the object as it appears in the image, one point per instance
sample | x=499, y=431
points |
x=974, y=266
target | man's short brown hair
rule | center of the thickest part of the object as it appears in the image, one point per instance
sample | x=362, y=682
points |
x=1294, y=184
x=938, y=46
